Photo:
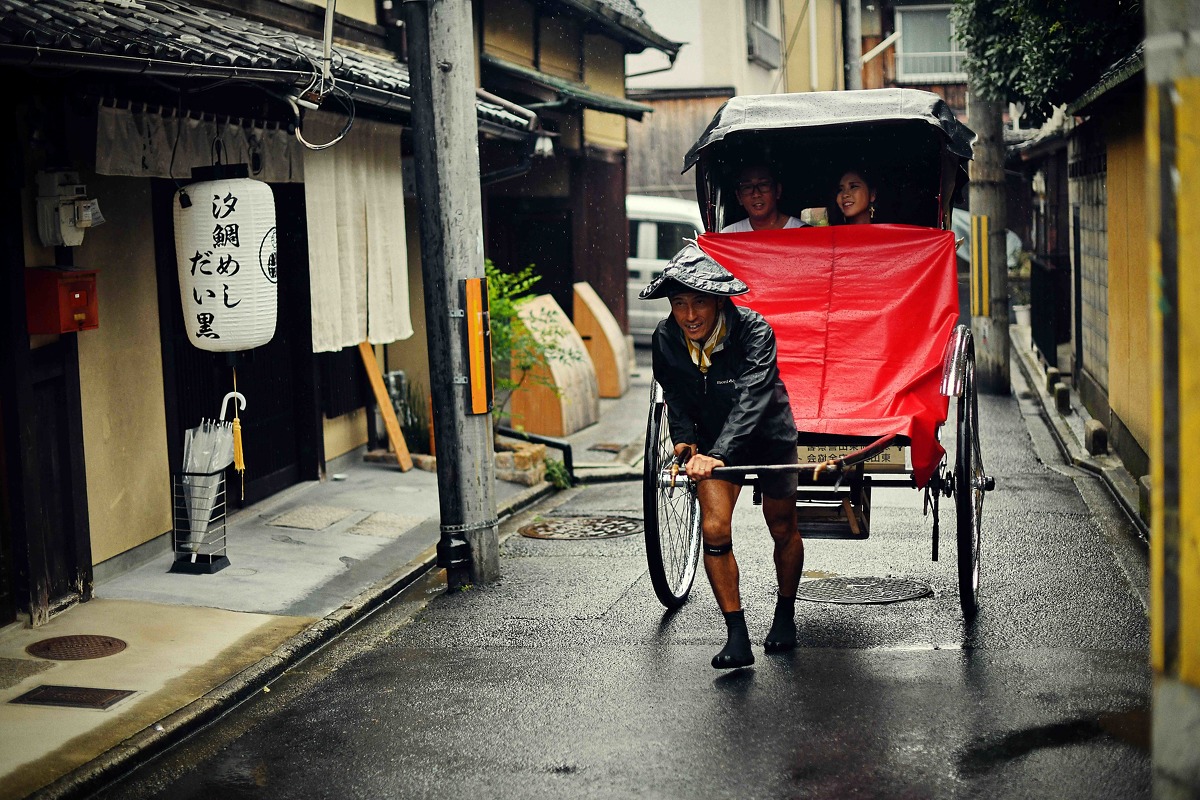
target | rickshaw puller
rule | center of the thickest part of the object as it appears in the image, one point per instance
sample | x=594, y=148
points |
x=727, y=405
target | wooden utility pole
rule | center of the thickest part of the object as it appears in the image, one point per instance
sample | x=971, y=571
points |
x=441, y=64
x=989, y=259
x=852, y=42
x=1173, y=184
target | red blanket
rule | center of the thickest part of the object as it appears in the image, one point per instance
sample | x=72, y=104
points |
x=862, y=314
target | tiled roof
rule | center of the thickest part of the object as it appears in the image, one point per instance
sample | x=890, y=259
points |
x=623, y=20
x=571, y=91
x=168, y=38
x=1128, y=67
x=625, y=7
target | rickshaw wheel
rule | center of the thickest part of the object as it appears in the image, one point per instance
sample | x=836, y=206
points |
x=672, y=516
x=969, y=487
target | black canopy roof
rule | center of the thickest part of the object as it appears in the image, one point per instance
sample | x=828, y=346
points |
x=774, y=112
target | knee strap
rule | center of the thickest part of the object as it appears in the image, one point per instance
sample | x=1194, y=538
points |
x=717, y=549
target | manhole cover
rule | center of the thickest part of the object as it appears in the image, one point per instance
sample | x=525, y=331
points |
x=76, y=648
x=73, y=697
x=861, y=590
x=582, y=528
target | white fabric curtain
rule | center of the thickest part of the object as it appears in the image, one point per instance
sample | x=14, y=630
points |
x=141, y=144
x=357, y=248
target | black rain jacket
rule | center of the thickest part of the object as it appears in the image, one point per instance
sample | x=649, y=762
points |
x=740, y=407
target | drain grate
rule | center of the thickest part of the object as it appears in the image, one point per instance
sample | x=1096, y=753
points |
x=582, y=528
x=861, y=590
x=76, y=648
x=72, y=697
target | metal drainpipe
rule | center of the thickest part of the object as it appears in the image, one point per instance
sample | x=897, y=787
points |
x=526, y=163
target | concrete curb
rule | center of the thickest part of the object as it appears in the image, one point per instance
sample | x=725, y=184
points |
x=1108, y=468
x=624, y=466
x=143, y=746
x=615, y=474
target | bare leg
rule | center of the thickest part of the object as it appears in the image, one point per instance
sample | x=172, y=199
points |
x=780, y=515
x=717, y=499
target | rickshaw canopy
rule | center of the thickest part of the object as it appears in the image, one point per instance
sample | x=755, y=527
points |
x=909, y=140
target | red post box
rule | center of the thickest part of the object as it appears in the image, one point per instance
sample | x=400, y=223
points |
x=60, y=300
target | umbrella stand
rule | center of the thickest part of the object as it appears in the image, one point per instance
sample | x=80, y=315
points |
x=198, y=499
x=198, y=493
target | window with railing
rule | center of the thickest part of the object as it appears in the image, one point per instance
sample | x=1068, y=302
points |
x=927, y=51
x=762, y=45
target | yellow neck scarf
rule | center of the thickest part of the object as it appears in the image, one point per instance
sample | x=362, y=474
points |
x=702, y=354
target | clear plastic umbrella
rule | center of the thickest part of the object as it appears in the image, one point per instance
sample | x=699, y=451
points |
x=207, y=449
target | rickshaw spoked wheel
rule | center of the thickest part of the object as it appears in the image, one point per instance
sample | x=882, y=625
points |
x=970, y=485
x=672, y=514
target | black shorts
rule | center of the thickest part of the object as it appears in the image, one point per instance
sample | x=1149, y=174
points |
x=776, y=485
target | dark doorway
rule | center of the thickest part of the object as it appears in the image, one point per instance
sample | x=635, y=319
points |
x=535, y=232
x=45, y=547
x=55, y=515
x=280, y=426
x=8, y=597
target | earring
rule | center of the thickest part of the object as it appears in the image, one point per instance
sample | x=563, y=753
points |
x=872, y=207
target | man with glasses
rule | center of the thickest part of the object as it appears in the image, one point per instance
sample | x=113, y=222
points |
x=758, y=192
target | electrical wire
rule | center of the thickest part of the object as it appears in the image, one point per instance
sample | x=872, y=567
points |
x=347, y=103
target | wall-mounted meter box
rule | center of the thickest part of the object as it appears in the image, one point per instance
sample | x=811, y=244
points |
x=64, y=211
x=59, y=300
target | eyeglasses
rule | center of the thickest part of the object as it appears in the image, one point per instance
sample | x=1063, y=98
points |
x=761, y=187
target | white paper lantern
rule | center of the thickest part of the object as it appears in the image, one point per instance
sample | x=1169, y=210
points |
x=225, y=246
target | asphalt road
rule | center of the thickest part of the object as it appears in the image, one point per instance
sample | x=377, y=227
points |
x=566, y=679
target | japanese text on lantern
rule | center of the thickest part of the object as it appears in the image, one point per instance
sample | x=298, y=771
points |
x=212, y=267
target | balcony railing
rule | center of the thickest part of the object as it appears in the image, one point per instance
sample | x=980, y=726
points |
x=930, y=67
x=762, y=46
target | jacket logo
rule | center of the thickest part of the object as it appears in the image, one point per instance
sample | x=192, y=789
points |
x=725, y=382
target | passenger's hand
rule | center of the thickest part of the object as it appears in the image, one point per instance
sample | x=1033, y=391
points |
x=700, y=466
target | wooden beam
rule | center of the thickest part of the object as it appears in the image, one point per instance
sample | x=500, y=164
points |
x=395, y=435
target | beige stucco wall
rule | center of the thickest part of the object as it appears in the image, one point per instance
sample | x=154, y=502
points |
x=343, y=434
x=798, y=16
x=508, y=31
x=558, y=47
x=604, y=71
x=357, y=9
x=1128, y=275
x=121, y=377
x=715, y=50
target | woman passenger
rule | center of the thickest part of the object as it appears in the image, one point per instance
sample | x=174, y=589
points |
x=855, y=198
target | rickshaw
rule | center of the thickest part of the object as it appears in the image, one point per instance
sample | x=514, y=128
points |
x=865, y=318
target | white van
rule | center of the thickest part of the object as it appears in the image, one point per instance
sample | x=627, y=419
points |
x=657, y=229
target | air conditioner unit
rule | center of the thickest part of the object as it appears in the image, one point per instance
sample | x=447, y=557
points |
x=762, y=46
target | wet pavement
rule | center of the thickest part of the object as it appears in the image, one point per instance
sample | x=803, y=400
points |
x=566, y=678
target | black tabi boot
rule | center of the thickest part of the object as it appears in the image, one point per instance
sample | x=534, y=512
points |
x=736, y=652
x=782, y=636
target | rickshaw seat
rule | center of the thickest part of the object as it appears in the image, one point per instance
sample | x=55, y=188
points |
x=862, y=315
